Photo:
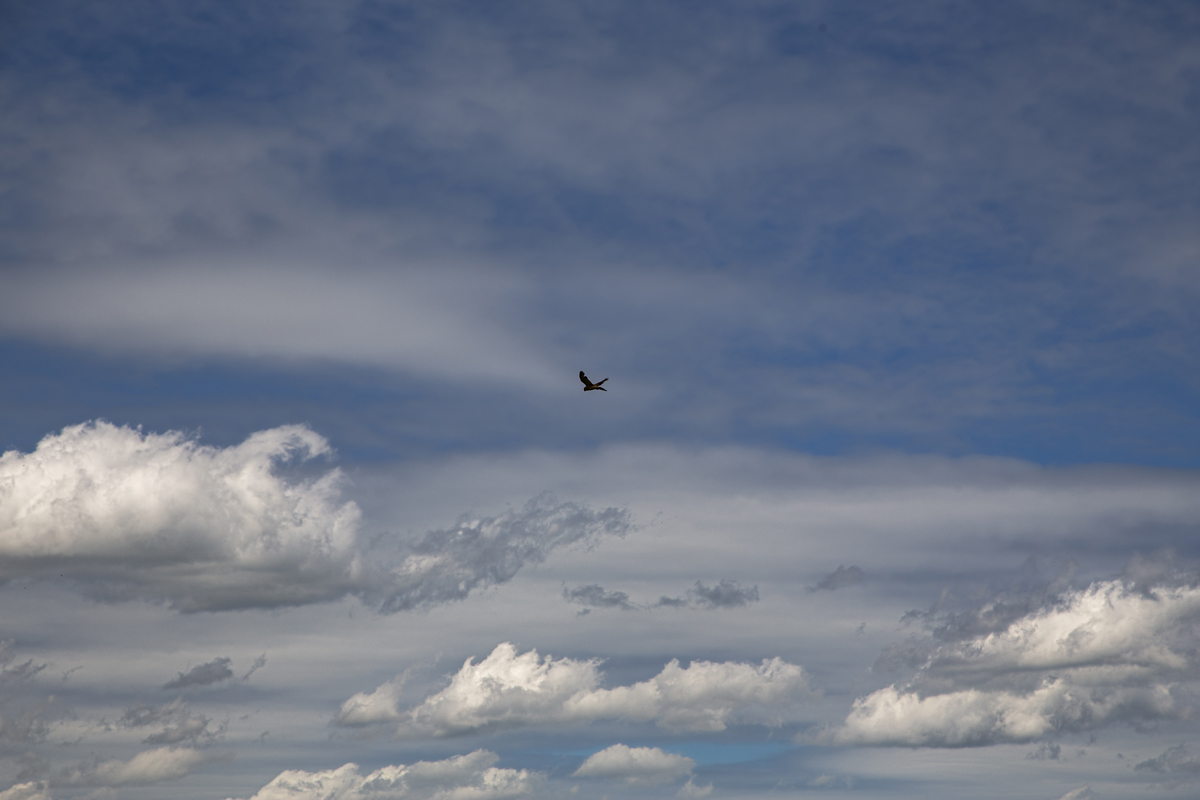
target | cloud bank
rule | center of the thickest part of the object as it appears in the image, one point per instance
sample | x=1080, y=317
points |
x=508, y=690
x=1095, y=656
x=133, y=515
x=637, y=766
x=469, y=777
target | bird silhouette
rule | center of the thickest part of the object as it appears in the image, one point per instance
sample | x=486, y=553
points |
x=588, y=386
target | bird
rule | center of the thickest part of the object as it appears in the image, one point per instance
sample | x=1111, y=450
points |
x=588, y=386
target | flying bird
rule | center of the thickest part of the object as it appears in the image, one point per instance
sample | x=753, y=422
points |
x=588, y=386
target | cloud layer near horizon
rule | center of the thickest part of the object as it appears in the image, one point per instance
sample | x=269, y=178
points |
x=469, y=777
x=133, y=515
x=509, y=690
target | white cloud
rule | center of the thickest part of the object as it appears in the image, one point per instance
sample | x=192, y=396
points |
x=637, y=766
x=149, y=766
x=691, y=789
x=161, y=517
x=26, y=791
x=469, y=777
x=366, y=708
x=1095, y=656
x=1082, y=793
x=508, y=689
x=973, y=717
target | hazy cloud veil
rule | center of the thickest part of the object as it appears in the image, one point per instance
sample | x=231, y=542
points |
x=894, y=490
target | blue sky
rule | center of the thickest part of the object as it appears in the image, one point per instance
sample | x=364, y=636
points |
x=292, y=304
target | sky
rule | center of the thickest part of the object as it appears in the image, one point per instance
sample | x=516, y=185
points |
x=894, y=490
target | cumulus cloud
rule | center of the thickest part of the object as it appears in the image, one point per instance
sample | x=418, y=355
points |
x=637, y=766
x=214, y=671
x=508, y=689
x=1107, y=653
x=149, y=766
x=368, y=708
x=469, y=777
x=129, y=515
x=26, y=791
x=840, y=577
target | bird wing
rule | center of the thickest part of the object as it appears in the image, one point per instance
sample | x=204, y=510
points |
x=583, y=378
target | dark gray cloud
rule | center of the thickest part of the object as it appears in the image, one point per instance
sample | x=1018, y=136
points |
x=594, y=596
x=26, y=715
x=839, y=578
x=447, y=565
x=258, y=664
x=205, y=674
x=179, y=724
x=725, y=594
x=1176, y=761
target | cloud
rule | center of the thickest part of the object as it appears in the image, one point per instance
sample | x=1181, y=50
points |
x=1107, y=653
x=130, y=515
x=368, y=708
x=149, y=766
x=726, y=594
x=448, y=564
x=258, y=664
x=594, y=596
x=840, y=577
x=1082, y=793
x=637, y=766
x=692, y=790
x=26, y=791
x=28, y=724
x=214, y=671
x=973, y=718
x=179, y=723
x=469, y=777
x=508, y=690
x=1176, y=761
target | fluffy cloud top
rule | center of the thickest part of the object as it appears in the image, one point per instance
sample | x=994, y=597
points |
x=508, y=689
x=26, y=791
x=161, y=517
x=637, y=766
x=470, y=777
x=1103, y=654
